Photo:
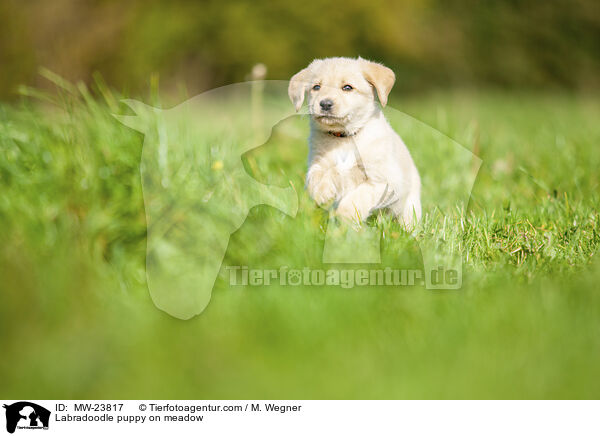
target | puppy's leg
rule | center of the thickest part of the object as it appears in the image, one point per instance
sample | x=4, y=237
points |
x=357, y=205
x=408, y=211
x=322, y=184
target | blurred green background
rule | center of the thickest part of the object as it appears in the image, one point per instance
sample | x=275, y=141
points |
x=516, y=83
x=429, y=43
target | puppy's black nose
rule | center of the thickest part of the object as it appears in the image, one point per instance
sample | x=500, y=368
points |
x=326, y=104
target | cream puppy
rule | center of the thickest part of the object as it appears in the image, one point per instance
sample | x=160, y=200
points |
x=357, y=163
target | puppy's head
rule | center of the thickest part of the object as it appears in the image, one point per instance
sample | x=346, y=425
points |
x=341, y=91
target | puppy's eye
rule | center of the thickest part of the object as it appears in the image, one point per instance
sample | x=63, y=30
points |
x=347, y=88
x=317, y=87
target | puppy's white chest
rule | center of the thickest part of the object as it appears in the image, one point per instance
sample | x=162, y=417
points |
x=344, y=159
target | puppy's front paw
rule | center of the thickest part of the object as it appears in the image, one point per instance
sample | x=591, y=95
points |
x=323, y=192
x=352, y=211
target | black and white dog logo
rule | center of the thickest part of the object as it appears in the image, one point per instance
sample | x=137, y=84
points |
x=26, y=415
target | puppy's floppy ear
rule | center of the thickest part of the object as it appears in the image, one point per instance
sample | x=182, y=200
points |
x=382, y=78
x=297, y=88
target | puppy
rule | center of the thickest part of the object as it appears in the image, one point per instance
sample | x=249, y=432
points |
x=356, y=163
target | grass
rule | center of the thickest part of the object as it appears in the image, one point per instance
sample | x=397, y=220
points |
x=77, y=320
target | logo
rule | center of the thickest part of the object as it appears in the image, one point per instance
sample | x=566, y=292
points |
x=26, y=415
x=197, y=192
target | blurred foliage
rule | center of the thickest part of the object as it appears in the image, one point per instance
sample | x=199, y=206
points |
x=210, y=43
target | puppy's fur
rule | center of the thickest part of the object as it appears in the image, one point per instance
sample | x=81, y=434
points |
x=356, y=160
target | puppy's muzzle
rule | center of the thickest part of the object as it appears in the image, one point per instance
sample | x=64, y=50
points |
x=326, y=104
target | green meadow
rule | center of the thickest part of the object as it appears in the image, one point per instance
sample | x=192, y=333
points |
x=78, y=321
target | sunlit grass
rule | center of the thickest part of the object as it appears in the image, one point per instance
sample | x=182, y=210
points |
x=77, y=320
